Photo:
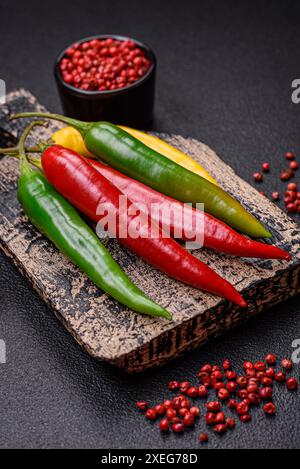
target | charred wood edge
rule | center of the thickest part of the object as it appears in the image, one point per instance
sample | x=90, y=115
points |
x=197, y=331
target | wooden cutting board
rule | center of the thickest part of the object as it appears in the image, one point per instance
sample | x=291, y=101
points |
x=106, y=329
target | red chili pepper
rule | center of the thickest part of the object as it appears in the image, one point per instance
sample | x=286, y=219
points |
x=217, y=235
x=76, y=179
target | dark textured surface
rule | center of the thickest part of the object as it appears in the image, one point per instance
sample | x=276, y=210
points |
x=226, y=81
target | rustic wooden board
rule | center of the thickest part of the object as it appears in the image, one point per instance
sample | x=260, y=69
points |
x=108, y=330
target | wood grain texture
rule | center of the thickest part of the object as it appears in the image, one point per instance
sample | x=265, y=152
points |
x=109, y=331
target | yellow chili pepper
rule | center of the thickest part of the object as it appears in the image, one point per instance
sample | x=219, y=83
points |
x=170, y=152
x=70, y=138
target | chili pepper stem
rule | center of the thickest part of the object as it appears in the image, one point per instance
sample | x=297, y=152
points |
x=13, y=150
x=82, y=127
x=24, y=163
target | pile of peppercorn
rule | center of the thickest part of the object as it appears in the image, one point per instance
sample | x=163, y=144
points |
x=103, y=64
x=236, y=392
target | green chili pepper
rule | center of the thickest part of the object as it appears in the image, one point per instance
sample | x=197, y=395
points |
x=130, y=156
x=61, y=223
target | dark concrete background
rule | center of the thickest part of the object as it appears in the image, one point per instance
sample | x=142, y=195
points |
x=224, y=76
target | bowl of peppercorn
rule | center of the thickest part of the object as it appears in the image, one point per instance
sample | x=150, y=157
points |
x=107, y=77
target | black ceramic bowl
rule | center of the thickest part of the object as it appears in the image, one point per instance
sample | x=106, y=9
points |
x=131, y=105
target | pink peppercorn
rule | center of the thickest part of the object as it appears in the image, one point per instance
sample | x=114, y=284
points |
x=232, y=403
x=226, y=364
x=192, y=391
x=213, y=406
x=150, y=414
x=230, y=422
x=220, y=428
x=142, y=405
x=265, y=392
x=231, y=386
x=203, y=437
x=202, y=391
x=195, y=411
x=242, y=408
x=292, y=384
x=210, y=418
x=245, y=418
x=164, y=425
x=287, y=364
x=280, y=376
x=269, y=408
x=178, y=427
x=270, y=359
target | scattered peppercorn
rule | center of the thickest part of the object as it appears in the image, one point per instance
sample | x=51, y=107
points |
x=232, y=404
x=280, y=376
x=230, y=422
x=242, y=408
x=171, y=413
x=203, y=437
x=173, y=385
x=257, y=385
x=254, y=398
x=294, y=165
x=270, y=373
x=183, y=412
x=287, y=364
x=195, y=411
x=289, y=155
x=159, y=409
x=188, y=420
x=258, y=177
x=223, y=394
x=292, y=186
x=265, y=381
x=291, y=208
x=269, y=408
x=230, y=374
x=220, y=428
x=213, y=406
x=178, y=427
x=285, y=176
x=192, y=391
x=265, y=392
x=202, y=391
x=241, y=381
x=226, y=365
x=142, y=405
x=220, y=417
x=231, y=386
x=164, y=425
x=150, y=414
x=210, y=418
x=292, y=384
x=275, y=196
x=265, y=167
x=245, y=418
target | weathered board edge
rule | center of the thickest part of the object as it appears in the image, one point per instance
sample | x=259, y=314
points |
x=195, y=335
